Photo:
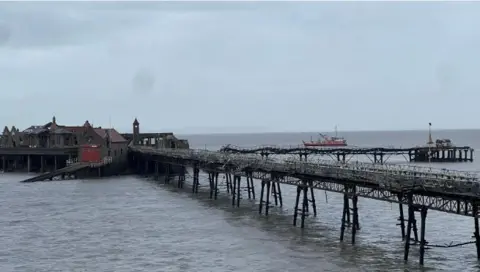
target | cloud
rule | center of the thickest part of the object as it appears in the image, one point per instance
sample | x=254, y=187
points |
x=276, y=66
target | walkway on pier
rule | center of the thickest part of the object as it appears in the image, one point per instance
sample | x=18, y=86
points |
x=71, y=169
x=392, y=177
x=375, y=154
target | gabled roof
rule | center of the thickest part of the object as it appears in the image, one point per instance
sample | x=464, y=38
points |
x=60, y=130
x=35, y=130
x=115, y=137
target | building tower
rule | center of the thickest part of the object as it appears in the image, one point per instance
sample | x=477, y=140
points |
x=136, y=132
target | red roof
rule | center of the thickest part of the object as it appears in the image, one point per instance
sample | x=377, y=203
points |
x=74, y=129
x=115, y=137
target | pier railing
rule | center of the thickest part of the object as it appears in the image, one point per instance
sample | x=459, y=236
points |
x=286, y=149
x=395, y=177
x=72, y=161
x=106, y=160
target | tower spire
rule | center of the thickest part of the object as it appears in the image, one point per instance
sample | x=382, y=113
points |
x=430, y=140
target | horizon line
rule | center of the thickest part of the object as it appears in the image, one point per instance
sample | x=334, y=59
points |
x=346, y=131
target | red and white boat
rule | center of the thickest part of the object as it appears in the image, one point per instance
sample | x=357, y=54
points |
x=325, y=140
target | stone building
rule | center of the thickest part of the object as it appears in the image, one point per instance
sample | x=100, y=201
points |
x=53, y=135
x=157, y=140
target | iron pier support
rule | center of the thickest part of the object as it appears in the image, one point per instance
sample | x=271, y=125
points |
x=297, y=201
x=350, y=192
x=181, y=180
x=277, y=193
x=267, y=203
x=155, y=177
x=265, y=194
x=236, y=195
x=476, y=234
x=196, y=179
x=262, y=190
x=411, y=225
x=312, y=197
x=423, y=217
x=211, y=181
x=227, y=182
x=302, y=192
x=167, y=174
x=304, y=206
x=234, y=190
x=252, y=186
x=238, y=180
x=216, y=186
x=401, y=218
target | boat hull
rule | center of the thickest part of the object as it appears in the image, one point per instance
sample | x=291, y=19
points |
x=324, y=144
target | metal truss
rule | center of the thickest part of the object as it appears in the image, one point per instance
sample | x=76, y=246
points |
x=301, y=150
x=440, y=189
x=438, y=203
x=374, y=154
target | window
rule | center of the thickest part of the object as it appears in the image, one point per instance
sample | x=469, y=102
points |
x=121, y=150
x=115, y=153
x=109, y=154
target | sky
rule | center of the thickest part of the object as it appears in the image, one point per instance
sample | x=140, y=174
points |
x=210, y=67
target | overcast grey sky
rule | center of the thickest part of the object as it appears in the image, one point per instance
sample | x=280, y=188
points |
x=229, y=67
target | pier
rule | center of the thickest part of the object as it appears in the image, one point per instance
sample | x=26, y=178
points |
x=378, y=155
x=419, y=189
x=62, y=152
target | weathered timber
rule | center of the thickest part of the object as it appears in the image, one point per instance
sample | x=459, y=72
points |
x=69, y=170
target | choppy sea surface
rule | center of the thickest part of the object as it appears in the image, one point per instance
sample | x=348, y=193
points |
x=136, y=224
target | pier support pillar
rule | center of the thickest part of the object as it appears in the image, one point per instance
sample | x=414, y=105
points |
x=55, y=163
x=265, y=193
x=250, y=186
x=262, y=190
x=412, y=226
x=211, y=181
x=4, y=164
x=167, y=177
x=267, y=202
x=156, y=176
x=236, y=191
x=350, y=193
x=312, y=197
x=196, y=180
x=277, y=193
x=239, y=195
x=276, y=190
x=215, y=185
x=302, y=192
x=228, y=183
x=401, y=218
x=29, y=163
x=423, y=216
x=181, y=181
x=476, y=234
x=42, y=164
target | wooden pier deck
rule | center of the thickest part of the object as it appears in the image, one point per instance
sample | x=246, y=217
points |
x=374, y=154
x=419, y=188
